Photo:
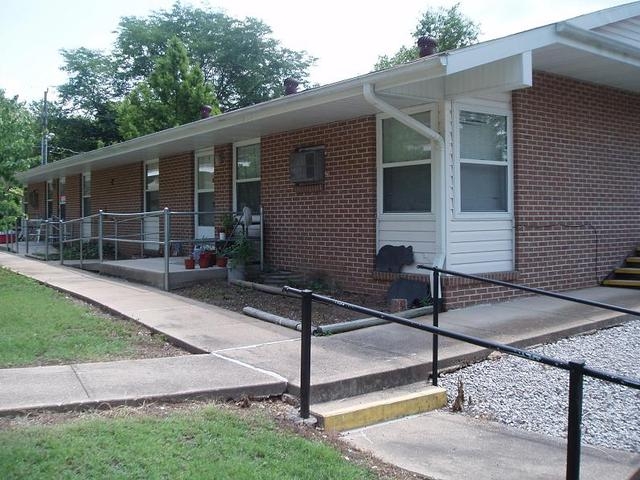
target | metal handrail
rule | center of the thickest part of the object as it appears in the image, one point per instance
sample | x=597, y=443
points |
x=115, y=221
x=577, y=369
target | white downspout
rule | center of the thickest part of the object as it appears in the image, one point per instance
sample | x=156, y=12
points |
x=421, y=128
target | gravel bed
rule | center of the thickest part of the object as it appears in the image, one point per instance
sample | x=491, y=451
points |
x=534, y=397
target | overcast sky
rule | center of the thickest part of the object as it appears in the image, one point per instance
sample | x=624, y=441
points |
x=345, y=35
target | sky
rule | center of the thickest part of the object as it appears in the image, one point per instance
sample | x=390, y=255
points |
x=346, y=36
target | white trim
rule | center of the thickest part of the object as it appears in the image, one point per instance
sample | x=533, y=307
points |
x=491, y=109
x=206, y=152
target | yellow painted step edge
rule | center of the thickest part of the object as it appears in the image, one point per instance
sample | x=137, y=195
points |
x=628, y=270
x=633, y=259
x=375, y=412
x=622, y=283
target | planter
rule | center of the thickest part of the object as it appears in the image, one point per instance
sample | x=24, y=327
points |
x=237, y=272
x=205, y=260
x=221, y=261
x=189, y=263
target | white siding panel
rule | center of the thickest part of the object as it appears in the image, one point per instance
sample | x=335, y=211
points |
x=627, y=31
x=388, y=236
x=420, y=234
x=484, y=267
x=480, y=246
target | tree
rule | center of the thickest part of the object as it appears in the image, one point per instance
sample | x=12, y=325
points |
x=449, y=27
x=239, y=58
x=18, y=151
x=173, y=95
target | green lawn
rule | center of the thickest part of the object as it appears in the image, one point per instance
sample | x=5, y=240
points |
x=207, y=443
x=39, y=326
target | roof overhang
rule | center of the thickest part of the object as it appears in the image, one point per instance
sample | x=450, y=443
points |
x=501, y=65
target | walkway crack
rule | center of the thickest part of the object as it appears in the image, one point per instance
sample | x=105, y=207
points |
x=80, y=381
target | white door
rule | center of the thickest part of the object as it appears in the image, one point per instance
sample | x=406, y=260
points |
x=204, y=195
x=151, y=225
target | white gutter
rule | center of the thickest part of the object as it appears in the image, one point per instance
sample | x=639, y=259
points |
x=597, y=40
x=370, y=96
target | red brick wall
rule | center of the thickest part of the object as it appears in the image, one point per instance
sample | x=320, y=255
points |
x=119, y=190
x=177, y=177
x=38, y=210
x=576, y=157
x=329, y=228
x=223, y=179
x=73, y=188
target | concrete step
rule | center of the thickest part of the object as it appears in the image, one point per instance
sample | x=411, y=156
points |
x=377, y=407
x=621, y=283
x=633, y=259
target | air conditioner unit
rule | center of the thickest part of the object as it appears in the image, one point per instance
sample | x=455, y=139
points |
x=307, y=166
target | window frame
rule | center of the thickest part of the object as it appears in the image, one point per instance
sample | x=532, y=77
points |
x=258, y=179
x=145, y=186
x=432, y=108
x=458, y=161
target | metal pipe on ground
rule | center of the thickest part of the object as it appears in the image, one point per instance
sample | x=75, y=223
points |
x=336, y=327
x=368, y=322
x=271, y=318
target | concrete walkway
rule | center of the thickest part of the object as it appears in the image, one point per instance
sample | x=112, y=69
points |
x=244, y=356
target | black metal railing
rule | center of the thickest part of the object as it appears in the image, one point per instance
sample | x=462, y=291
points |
x=577, y=369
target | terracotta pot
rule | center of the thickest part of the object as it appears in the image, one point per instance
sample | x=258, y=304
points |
x=189, y=263
x=221, y=261
x=205, y=260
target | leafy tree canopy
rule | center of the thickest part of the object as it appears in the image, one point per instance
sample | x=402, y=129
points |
x=449, y=27
x=173, y=95
x=18, y=151
x=239, y=58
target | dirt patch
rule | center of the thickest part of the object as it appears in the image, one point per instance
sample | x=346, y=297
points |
x=284, y=415
x=233, y=297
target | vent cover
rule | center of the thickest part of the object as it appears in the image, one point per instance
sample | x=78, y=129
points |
x=307, y=166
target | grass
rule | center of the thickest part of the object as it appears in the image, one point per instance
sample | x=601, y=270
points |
x=39, y=326
x=205, y=443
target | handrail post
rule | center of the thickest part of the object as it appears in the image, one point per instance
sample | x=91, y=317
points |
x=142, y=236
x=100, y=233
x=115, y=235
x=167, y=246
x=305, y=354
x=81, y=240
x=61, y=239
x=46, y=240
x=434, y=341
x=26, y=235
x=574, y=430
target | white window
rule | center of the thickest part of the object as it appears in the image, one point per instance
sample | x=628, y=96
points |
x=484, y=161
x=205, y=193
x=50, y=195
x=86, y=204
x=62, y=198
x=406, y=167
x=247, y=176
x=86, y=194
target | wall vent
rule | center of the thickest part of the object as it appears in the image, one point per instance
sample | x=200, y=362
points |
x=307, y=165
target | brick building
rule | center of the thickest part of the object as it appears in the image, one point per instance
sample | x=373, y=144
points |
x=513, y=158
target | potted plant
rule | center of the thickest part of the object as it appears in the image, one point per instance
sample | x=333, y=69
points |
x=227, y=224
x=189, y=263
x=221, y=260
x=240, y=253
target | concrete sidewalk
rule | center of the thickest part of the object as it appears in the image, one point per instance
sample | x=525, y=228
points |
x=245, y=356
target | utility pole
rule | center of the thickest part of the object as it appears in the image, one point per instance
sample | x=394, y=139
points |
x=44, y=147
